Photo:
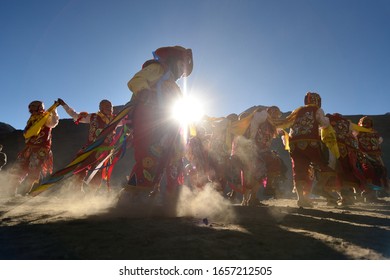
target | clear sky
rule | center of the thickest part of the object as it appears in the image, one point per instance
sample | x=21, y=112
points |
x=246, y=52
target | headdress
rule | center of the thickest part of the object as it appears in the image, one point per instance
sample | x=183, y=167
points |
x=169, y=55
x=36, y=106
x=312, y=98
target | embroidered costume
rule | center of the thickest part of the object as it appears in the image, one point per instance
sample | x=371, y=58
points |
x=350, y=160
x=263, y=131
x=158, y=146
x=309, y=157
x=35, y=161
x=373, y=165
x=98, y=168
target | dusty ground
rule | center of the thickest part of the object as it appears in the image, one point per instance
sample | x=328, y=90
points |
x=206, y=226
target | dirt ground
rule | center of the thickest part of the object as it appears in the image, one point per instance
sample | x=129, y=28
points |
x=203, y=226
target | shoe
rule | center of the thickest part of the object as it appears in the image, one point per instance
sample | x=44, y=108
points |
x=331, y=202
x=231, y=195
x=369, y=197
x=255, y=202
x=303, y=203
x=345, y=202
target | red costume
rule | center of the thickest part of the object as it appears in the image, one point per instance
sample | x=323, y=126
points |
x=253, y=157
x=264, y=132
x=348, y=152
x=306, y=150
x=91, y=173
x=350, y=161
x=35, y=161
x=157, y=142
x=373, y=165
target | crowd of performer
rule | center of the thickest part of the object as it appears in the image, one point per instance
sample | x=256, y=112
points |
x=331, y=157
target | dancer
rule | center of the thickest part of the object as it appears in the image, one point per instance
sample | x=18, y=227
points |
x=373, y=166
x=35, y=161
x=309, y=161
x=97, y=170
x=158, y=146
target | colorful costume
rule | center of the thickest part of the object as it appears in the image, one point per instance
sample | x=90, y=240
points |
x=373, y=166
x=307, y=151
x=259, y=164
x=157, y=142
x=263, y=132
x=35, y=161
x=90, y=172
x=350, y=158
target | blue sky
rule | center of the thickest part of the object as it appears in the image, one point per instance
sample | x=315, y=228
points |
x=246, y=52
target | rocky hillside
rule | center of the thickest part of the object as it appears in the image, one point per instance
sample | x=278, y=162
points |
x=68, y=138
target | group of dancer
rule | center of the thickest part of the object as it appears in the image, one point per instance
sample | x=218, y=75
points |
x=330, y=156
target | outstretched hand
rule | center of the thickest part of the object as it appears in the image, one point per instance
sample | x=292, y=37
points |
x=61, y=102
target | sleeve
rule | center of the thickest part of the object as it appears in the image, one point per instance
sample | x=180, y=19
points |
x=357, y=128
x=322, y=119
x=52, y=120
x=146, y=78
x=328, y=136
x=81, y=117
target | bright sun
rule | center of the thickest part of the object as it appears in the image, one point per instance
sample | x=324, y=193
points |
x=187, y=110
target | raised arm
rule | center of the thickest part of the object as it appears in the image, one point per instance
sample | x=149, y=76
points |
x=82, y=117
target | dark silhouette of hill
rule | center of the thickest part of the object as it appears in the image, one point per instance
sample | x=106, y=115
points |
x=5, y=129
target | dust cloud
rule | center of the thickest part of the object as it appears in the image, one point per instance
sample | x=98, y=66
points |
x=66, y=200
x=205, y=203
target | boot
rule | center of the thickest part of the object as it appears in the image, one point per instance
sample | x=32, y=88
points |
x=302, y=202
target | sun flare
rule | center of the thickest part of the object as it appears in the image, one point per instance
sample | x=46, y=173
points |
x=187, y=110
